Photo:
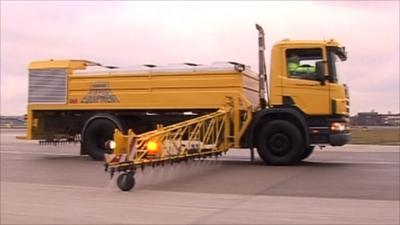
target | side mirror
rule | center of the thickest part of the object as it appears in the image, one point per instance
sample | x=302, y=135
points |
x=320, y=70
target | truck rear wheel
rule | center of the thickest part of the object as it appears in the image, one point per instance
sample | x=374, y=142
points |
x=97, y=133
x=280, y=142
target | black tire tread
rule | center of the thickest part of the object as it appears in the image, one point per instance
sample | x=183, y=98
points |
x=307, y=152
x=126, y=181
x=293, y=134
x=96, y=131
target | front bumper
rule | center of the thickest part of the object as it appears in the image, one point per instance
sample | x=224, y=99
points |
x=339, y=139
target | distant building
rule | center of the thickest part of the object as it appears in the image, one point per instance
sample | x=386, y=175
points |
x=391, y=119
x=375, y=119
x=12, y=121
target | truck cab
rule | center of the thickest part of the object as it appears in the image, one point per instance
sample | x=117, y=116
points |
x=305, y=90
x=316, y=91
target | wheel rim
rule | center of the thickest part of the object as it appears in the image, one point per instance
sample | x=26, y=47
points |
x=279, y=144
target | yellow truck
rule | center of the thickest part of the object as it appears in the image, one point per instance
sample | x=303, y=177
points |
x=150, y=114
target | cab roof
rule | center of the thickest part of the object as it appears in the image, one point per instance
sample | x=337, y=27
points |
x=288, y=42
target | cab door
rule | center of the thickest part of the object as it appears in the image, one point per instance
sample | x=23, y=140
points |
x=300, y=87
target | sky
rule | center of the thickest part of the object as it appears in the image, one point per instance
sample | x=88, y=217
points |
x=125, y=33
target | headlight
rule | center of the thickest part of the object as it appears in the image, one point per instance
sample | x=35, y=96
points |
x=110, y=145
x=339, y=127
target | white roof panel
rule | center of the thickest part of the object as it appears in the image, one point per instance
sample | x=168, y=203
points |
x=171, y=68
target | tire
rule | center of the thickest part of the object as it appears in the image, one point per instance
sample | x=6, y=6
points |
x=280, y=143
x=126, y=181
x=307, y=152
x=97, y=133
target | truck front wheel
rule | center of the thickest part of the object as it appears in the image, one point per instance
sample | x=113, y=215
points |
x=97, y=133
x=280, y=143
x=307, y=152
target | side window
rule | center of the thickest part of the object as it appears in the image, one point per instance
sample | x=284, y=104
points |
x=301, y=63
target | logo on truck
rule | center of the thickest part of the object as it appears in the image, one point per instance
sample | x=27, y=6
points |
x=100, y=92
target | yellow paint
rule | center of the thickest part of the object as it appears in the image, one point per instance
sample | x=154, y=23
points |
x=145, y=90
x=59, y=64
x=173, y=142
x=122, y=143
x=309, y=95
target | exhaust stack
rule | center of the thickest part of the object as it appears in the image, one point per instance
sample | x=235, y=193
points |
x=262, y=70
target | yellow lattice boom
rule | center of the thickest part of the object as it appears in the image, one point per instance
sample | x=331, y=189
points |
x=203, y=136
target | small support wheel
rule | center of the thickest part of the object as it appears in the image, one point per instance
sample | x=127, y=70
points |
x=126, y=181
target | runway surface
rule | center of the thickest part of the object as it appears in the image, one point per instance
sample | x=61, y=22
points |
x=355, y=184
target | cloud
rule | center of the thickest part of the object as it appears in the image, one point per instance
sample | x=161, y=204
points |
x=131, y=33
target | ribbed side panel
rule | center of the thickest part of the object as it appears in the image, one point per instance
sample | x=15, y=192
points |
x=47, y=86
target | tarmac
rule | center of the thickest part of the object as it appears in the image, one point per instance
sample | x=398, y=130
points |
x=354, y=184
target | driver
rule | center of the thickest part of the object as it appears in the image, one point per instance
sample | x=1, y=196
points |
x=295, y=68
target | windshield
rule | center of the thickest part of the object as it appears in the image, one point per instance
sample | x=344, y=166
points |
x=336, y=56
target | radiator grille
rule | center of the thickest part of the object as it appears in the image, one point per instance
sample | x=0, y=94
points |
x=47, y=86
